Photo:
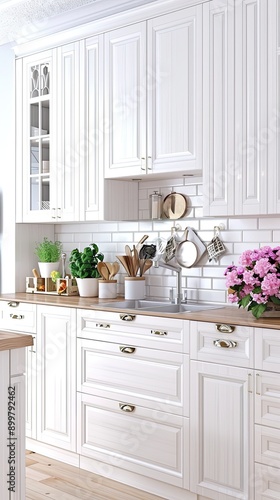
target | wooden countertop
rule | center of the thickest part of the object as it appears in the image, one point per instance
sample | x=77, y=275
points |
x=10, y=340
x=225, y=314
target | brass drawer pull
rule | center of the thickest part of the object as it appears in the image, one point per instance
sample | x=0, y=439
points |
x=228, y=344
x=16, y=316
x=102, y=325
x=127, y=317
x=158, y=332
x=127, y=349
x=13, y=304
x=126, y=407
x=225, y=328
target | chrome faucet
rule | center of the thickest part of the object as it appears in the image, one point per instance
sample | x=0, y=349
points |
x=178, y=270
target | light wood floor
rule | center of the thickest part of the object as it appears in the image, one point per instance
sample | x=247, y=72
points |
x=48, y=478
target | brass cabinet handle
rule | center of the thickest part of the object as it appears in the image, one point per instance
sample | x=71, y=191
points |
x=127, y=349
x=13, y=304
x=127, y=317
x=16, y=316
x=228, y=344
x=222, y=328
x=102, y=325
x=126, y=407
x=158, y=332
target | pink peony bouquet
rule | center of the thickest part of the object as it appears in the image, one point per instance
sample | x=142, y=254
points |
x=256, y=281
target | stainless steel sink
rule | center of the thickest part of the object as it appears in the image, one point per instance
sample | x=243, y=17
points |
x=159, y=306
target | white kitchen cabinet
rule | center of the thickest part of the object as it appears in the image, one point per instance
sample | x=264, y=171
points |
x=139, y=439
x=236, y=134
x=251, y=167
x=56, y=376
x=272, y=138
x=126, y=370
x=218, y=108
x=221, y=431
x=12, y=429
x=65, y=143
x=223, y=344
x=47, y=151
x=133, y=399
x=153, y=107
x=21, y=318
x=267, y=483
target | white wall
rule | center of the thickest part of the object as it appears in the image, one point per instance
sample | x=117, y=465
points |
x=7, y=170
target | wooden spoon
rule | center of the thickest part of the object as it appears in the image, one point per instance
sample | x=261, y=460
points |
x=115, y=269
x=135, y=261
x=110, y=269
x=103, y=270
x=122, y=259
x=147, y=264
x=128, y=251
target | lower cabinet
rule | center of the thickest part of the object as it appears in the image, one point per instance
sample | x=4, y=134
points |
x=221, y=431
x=133, y=394
x=56, y=376
x=138, y=439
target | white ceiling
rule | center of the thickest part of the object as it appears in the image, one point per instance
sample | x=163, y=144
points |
x=22, y=18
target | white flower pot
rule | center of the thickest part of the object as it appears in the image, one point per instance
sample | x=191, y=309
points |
x=88, y=287
x=46, y=268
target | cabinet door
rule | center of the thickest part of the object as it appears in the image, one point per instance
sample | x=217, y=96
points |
x=125, y=101
x=251, y=168
x=120, y=368
x=92, y=182
x=35, y=159
x=66, y=140
x=118, y=432
x=218, y=108
x=273, y=126
x=221, y=416
x=56, y=376
x=174, y=85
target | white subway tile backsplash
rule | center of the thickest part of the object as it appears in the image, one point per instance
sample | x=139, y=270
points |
x=257, y=236
x=206, y=281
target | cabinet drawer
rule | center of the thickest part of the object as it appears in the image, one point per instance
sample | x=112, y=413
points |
x=135, y=438
x=148, y=331
x=18, y=316
x=267, y=445
x=267, y=352
x=211, y=342
x=267, y=483
x=267, y=399
x=153, y=378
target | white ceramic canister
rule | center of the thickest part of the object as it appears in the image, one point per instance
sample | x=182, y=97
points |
x=107, y=289
x=134, y=287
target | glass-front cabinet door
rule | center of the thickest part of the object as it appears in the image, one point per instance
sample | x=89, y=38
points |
x=38, y=175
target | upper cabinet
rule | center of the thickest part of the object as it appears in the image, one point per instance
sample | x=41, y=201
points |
x=50, y=135
x=251, y=168
x=240, y=147
x=218, y=108
x=153, y=103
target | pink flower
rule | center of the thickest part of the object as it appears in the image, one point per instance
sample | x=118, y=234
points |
x=232, y=278
x=271, y=285
x=263, y=266
x=232, y=297
x=259, y=298
x=250, y=279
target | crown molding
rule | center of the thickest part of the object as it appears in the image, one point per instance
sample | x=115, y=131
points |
x=86, y=22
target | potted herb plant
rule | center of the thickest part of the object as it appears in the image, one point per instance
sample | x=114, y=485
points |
x=48, y=253
x=83, y=267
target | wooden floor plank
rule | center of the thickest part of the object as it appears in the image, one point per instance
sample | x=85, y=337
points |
x=46, y=477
